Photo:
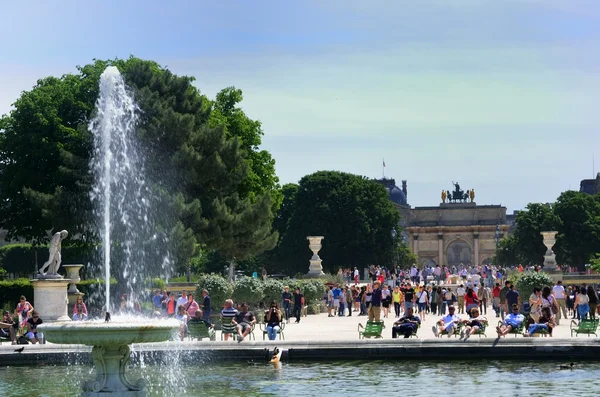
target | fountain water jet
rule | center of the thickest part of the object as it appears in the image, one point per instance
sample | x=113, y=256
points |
x=122, y=200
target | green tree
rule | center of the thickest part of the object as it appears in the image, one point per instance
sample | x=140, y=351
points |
x=528, y=241
x=579, y=230
x=352, y=212
x=261, y=177
x=507, y=253
x=280, y=225
x=405, y=257
x=198, y=171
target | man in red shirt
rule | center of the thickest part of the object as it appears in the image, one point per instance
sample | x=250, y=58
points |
x=496, y=299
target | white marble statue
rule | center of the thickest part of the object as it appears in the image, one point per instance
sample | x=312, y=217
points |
x=54, y=259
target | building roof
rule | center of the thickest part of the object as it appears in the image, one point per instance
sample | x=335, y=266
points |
x=395, y=194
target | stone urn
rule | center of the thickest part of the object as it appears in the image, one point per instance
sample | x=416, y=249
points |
x=72, y=291
x=315, y=269
x=73, y=274
x=549, y=257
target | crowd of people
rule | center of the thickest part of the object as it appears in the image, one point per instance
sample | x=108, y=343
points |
x=24, y=330
x=412, y=294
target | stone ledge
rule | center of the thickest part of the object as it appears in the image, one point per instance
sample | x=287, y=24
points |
x=399, y=349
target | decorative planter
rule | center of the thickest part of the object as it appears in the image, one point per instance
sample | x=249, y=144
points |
x=549, y=257
x=315, y=269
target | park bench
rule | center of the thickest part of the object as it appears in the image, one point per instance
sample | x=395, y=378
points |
x=585, y=326
x=372, y=329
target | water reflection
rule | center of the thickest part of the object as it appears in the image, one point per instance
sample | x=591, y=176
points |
x=495, y=378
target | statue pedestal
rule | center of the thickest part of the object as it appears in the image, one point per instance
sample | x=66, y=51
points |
x=315, y=269
x=50, y=298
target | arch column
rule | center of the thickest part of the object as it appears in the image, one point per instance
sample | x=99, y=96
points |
x=416, y=244
x=476, y=248
x=441, y=249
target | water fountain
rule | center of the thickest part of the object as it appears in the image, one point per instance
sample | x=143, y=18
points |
x=119, y=194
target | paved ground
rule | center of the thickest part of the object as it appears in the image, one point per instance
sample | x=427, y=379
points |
x=319, y=327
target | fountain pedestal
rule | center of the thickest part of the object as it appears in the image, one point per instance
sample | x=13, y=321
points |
x=316, y=269
x=50, y=298
x=110, y=351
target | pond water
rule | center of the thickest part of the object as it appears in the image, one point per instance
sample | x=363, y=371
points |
x=478, y=378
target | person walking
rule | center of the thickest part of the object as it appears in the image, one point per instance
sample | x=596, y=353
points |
x=286, y=298
x=298, y=304
x=560, y=295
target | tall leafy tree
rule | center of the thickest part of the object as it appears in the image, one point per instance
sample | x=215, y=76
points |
x=579, y=229
x=530, y=223
x=199, y=173
x=352, y=212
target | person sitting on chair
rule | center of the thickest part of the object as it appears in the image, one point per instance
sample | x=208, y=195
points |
x=7, y=327
x=545, y=322
x=273, y=321
x=447, y=324
x=32, y=333
x=228, y=312
x=183, y=318
x=476, y=323
x=244, y=321
x=512, y=321
x=80, y=310
x=407, y=325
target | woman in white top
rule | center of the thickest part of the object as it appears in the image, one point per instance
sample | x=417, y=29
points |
x=385, y=300
x=582, y=303
x=535, y=301
x=422, y=302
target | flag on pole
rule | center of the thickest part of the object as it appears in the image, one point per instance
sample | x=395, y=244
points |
x=384, y=163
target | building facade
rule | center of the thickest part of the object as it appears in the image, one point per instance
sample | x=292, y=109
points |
x=453, y=234
x=458, y=231
x=590, y=186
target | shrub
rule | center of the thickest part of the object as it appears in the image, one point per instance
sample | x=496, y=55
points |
x=272, y=290
x=11, y=291
x=528, y=280
x=334, y=278
x=248, y=289
x=312, y=289
x=219, y=289
x=158, y=283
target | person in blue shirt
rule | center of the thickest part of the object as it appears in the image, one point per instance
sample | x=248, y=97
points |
x=512, y=297
x=374, y=311
x=206, y=306
x=511, y=321
x=156, y=301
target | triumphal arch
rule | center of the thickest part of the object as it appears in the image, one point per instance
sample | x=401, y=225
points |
x=458, y=231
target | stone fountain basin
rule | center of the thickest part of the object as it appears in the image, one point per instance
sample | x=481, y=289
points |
x=99, y=333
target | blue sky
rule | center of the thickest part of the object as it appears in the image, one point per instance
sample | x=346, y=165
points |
x=501, y=96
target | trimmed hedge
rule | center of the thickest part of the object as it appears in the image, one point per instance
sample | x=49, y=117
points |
x=256, y=292
x=19, y=259
x=219, y=289
x=248, y=289
x=11, y=291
